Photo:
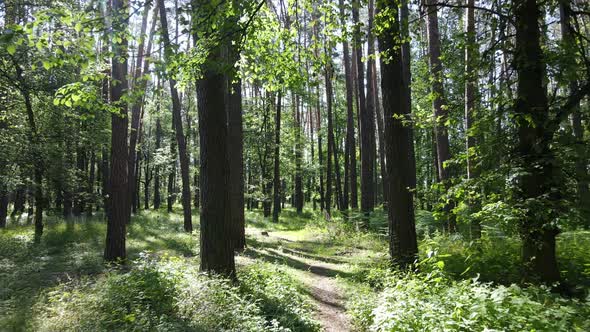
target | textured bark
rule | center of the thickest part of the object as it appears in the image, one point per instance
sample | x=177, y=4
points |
x=537, y=160
x=276, y=206
x=217, y=252
x=119, y=215
x=367, y=124
x=298, y=197
x=403, y=245
x=236, y=160
x=177, y=120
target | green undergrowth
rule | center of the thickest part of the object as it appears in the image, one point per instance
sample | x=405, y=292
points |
x=170, y=294
x=436, y=302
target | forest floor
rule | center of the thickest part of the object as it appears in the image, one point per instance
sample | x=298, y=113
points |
x=304, y=247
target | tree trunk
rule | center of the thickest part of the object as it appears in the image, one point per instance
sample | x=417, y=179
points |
x=438, y=103
x=298, y=156
x=91, y=180
x=538, y=179
x=157, y=195
x=276, y=207
x=470, y=91
x=217, y=251
x=3, y=207
x=236, y=158
x=119, y=215
x=139, y=86
x=367, y=124
x=177, y=119
x=569, y=43
x=403, y=245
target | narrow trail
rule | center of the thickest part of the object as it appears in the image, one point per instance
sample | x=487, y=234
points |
x=317, y=274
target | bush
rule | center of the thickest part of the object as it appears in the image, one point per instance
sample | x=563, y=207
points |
x=433, y=302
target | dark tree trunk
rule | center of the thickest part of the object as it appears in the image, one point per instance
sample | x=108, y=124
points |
x=367, y=124
x=3, y=207
x=177, y=120
x=79, y=202
x=119, y=215
x=106, y=192
x=217, y=251
x=403, y=246
x=276, y=208
x=539, y=178
x=236, y=160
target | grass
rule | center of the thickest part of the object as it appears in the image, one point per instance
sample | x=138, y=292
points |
x=65, y=272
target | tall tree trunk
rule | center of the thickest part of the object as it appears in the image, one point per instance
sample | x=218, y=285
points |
x=350, y=148
x=217, y=251
x=438, y=103
x=403, y=245
x=177, y=120
x=3, y=207
x=539, y=178
x=157, y=195
x=119, y=186
x=298, y=158
x=91, y=180
x=470, y=91
x=276, y=207
x=139, y=85
x=576, y=119
x=367, y=124
x=236, y=156
x=373, y=98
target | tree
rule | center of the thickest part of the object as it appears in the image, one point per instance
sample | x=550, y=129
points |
x=276, y=192
x=119, y=215
x=538, y=178
x=403, y=247
x=367, y=124
x=439, y=105
x=177, y=121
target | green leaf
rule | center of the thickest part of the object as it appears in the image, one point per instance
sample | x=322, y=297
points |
x=46, y=64
x=11, y=49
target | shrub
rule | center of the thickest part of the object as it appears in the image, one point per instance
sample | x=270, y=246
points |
x=434, y=302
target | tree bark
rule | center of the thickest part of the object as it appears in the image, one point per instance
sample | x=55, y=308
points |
x=538, y=179
x=276, y=207
x=119, y=215
x=403, y=247
x=236, y=158
x=367, y=124
x=177, y=120
x=217, y=251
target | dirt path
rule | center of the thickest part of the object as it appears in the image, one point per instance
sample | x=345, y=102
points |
x=319, y=278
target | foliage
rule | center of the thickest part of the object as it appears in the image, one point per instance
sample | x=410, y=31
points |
x=434, y=302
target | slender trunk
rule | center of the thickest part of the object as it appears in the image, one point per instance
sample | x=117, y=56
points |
x=569, y=41
x=91, y=180
x=157, y=195
x=439, y=104
x=277, y=171
x=236, y=159
x=298, y=156
x=119, y=215
x=367, y=124
x=3, y=207
x=177, y=120
x=139, y=85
